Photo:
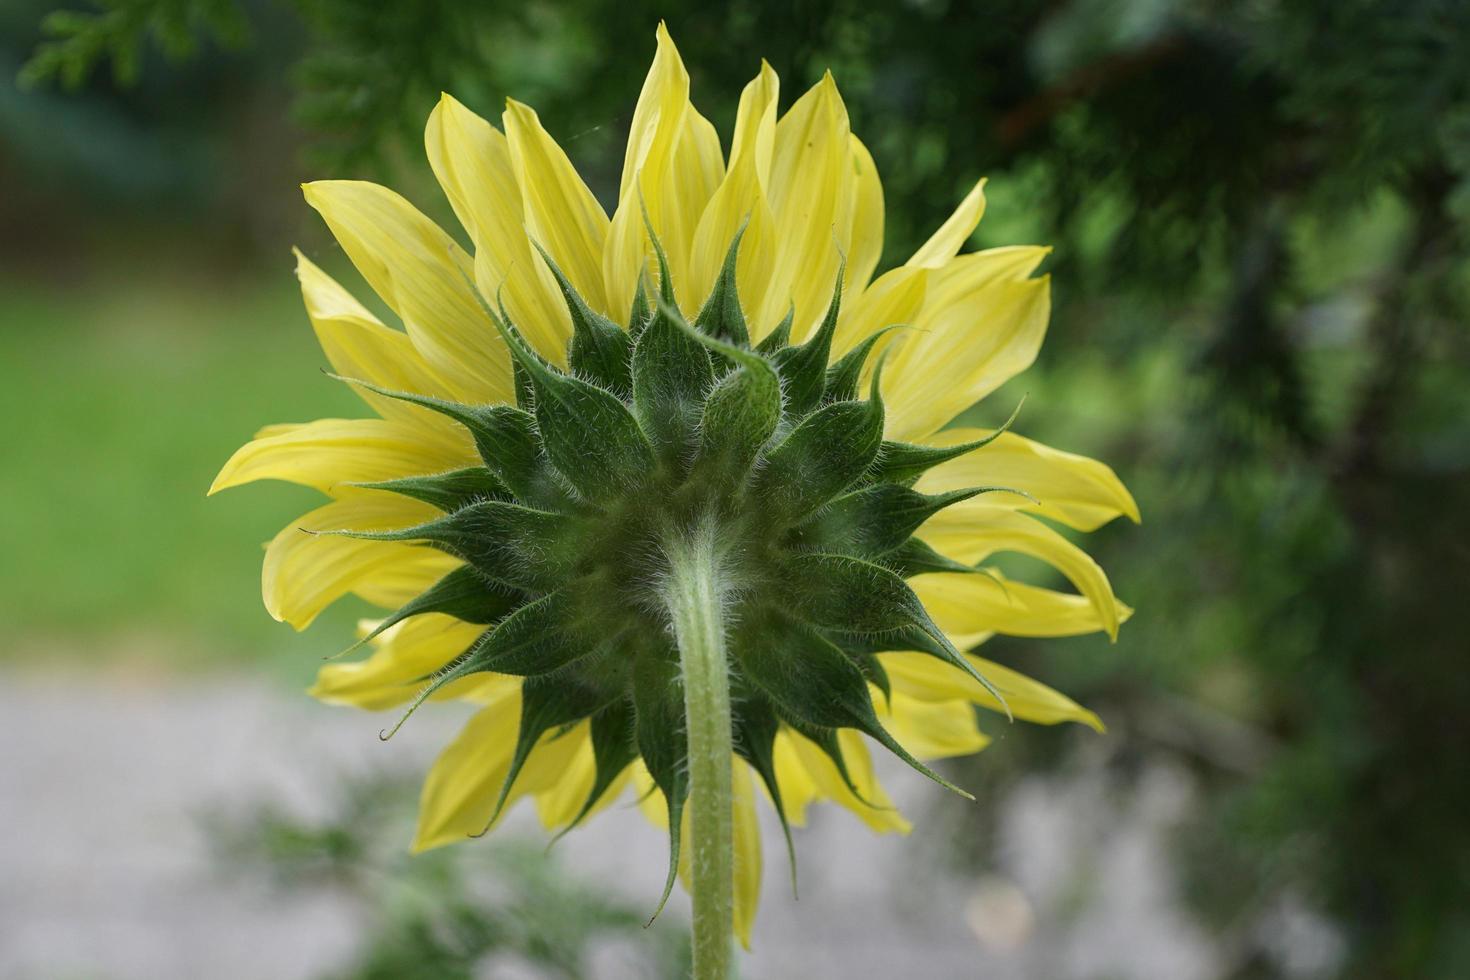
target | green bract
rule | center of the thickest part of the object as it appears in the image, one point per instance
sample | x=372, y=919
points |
x=652, y=435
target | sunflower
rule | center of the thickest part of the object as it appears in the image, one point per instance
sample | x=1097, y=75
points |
x=671, y=495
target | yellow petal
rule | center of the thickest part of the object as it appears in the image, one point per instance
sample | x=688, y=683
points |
x=741, y=200
x=798, y=789
x=559, y=804
x=971, y=531
x=403, y=656
x=895, y=299
x=878, y=811
x=946, y=243
x=811, y=197
x=931, y=729
x=330, y=453
x=648, y=183
x=965, y=604
x=359, y=346
x=394, y=584
x=673, y=168
x=471, y=159
x=1079, y=492
x=460, y=792
x=866, y=246
x=561, y=213
x=962, y=351
x=925, y=678
x=305, y=571
x=422, y=275
x=747, y=851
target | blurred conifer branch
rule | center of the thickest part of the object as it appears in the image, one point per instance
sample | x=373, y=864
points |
x=119, y=31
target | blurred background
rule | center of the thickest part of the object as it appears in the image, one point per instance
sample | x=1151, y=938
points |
x=1261, y=215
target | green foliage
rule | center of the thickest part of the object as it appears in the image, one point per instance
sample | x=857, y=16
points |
x=120, y=32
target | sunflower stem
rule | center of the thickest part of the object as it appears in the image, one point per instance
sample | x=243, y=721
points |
x=695, y=606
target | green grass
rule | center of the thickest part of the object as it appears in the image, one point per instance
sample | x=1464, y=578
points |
x=122, y=400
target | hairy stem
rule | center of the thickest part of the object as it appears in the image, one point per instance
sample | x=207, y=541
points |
x=694, y=604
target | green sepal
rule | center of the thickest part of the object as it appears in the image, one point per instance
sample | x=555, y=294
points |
x=613, y=750
x=463, y=594
x=904, y=639
x=754, y=726
x=903, y=462
x=525, y=393
x=658, y=701
x=839, y=592
x=671, y=375
x=816, y=682
x=827, y=452
x=599, y=348
x=804, y=368
x=586, y=431
x=843, y=377
x=505, y=438
x=508, y=543
x=743, y=408
x=874, y=520
x=530, y=642
x=780, y=337
x=640, y=312
x=917, y=557
x=447, y=491
x=873, y=672
x=721, y=315
x=546, y=704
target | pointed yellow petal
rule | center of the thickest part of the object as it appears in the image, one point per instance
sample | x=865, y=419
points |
x=946, y=243
x=962, y=351
x=931, y=729
x=672, y=166
x=924, y=678
x=1079, y=492
x=558, y=803
x=421, y=274
x=971, y=531
x=358, y=345
x=878, y=812
x=798, y=789
x=329, y=453
x=403, y=655
x=811, y=196
x=304, y=572
x=460, y=792
x=561, y=213
x=896, y=298
x=965, y=604
x=471, y=159
x=866, y=246
x=747, y=851
x=741, y=199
